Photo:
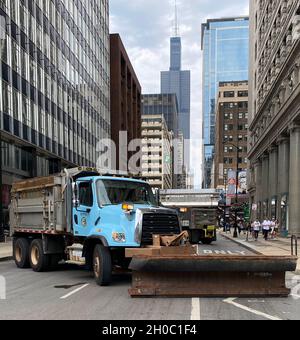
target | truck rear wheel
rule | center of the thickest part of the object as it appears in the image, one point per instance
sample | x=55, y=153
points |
x=194, y=237
x=102, y=265
x=21, y=253
x=39, y=262
x=207, y=241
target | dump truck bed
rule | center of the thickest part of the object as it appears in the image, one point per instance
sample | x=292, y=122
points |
x=39, y=205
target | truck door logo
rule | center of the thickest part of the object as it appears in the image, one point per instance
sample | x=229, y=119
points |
x=84, y=221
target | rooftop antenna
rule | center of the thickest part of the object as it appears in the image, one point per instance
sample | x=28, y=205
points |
x=176, y=24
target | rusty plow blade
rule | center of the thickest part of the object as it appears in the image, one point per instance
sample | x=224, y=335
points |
x=210, y=276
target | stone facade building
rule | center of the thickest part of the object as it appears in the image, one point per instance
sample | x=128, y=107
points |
x=231, y=131
x=274, y=112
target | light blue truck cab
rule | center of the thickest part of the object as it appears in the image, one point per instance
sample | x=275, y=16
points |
x=84, y=217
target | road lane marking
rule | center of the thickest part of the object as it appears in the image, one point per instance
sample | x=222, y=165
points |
x=196, y=310
x=74, y=292
x=250, y=310
x=295, y=287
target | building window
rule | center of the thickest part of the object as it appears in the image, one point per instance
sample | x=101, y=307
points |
x=243, y=105
x=243, y=94
x=229, y=94
x=228, y=105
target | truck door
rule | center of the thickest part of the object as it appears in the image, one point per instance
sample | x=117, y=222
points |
x=82, y=214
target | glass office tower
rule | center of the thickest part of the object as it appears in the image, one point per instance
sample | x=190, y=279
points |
x=179, y=82
x=225, y=46
x=55, y=85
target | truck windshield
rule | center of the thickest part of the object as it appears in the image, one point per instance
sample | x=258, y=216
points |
x=114, y=192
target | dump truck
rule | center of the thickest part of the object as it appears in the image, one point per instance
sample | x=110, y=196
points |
x=85, y=217
x=197, y=210
x=101, y=221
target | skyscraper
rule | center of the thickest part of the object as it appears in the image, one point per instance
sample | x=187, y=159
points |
x=225, y=45
x=179, y=82
x=54, y=87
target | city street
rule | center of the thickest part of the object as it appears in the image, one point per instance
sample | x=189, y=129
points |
x=73, y=294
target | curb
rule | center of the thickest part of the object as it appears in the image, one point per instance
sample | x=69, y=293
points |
x=241, y=244
x=297, y=272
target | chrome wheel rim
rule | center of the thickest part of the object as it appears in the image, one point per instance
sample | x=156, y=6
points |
x=18, y=253
x=97, y=266
x=35, y=255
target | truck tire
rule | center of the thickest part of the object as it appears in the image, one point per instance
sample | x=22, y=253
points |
x=194, y=237
x=39, y=262
x=102, y=265
x=21, y=253
x=207, y=241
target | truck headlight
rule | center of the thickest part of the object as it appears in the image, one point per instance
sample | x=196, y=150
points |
x=119, y=237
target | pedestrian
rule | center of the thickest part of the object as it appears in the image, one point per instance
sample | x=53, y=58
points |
x=273, y=227
x=240, y=226
x=266, y=226
x=256, y=229
x=277, y=228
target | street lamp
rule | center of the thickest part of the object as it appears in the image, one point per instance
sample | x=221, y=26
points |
x=235, y=234
x=2, y=39
x=225, y=204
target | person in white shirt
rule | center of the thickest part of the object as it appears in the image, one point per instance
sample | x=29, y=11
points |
x=256, y=229
x=273, y=228
x=266, y=226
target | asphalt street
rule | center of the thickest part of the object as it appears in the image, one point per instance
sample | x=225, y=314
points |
x=71, y=293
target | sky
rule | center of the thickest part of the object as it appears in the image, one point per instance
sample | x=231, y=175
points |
x=146, y=26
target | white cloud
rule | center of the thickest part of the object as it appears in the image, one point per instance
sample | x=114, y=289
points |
x=146, y=26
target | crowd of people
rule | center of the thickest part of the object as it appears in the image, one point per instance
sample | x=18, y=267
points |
x=268, y=228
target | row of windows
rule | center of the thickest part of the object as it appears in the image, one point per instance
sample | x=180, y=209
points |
x=226, y=170
x=241, y=115
x=228, y=160
x=49, y=38
x=232, y=94
x=63, y=106
x=231, y=127
x=230, y=149
x=239, y=138
x=78, y=133
x=240, y=105
x=36, y=65
x=23, y=160
x=55, y=88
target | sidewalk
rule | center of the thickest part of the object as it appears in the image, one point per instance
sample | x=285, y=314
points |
x=278, y=247
x=6, y=251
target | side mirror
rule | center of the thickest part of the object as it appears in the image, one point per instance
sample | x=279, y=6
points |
x=75, y=190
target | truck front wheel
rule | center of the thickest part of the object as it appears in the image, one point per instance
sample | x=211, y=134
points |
x=102, y=265
x=39, y=262
x=21, y=253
